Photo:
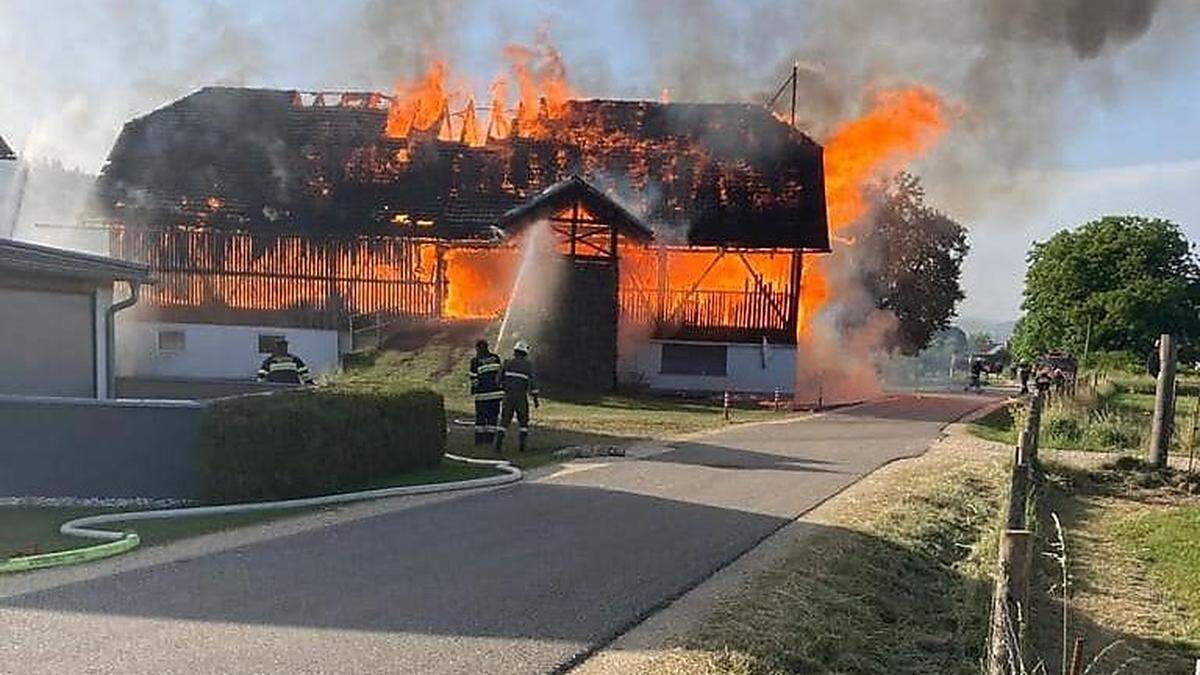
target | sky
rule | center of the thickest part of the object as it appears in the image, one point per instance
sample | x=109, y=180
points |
x=1124, y=137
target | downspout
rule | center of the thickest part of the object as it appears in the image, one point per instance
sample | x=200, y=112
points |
x=110, y=336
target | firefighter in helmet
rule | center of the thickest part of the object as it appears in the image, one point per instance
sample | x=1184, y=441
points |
x=487, y=390
x=519, y=387
x=283, y=368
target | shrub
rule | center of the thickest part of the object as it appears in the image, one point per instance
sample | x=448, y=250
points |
x=1110, y=431
x=1061, y=427
x=305, y=443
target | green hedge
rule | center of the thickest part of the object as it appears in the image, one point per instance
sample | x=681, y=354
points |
x=306, y=443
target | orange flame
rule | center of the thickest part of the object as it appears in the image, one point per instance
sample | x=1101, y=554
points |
x=543, y=92
x=899, y=126
x=419, y=104
x=498, y=124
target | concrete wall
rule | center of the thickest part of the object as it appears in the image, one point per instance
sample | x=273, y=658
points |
x=63, y=447
x=48, y=342
x=744, y=369
x=214, y=351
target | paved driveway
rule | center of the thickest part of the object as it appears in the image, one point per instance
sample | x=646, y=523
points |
x=521, y=580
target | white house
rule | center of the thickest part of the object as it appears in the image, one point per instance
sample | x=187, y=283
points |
x=57, y=318
x=683, y=365
x=8, y=173
x=154, y=349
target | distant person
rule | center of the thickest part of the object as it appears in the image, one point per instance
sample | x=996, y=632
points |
x=1024, y=372
x=283, y=368
x=519, y=387
x=487, y=389
x=1043, y=380
x=976, y=374
x=1059, y=379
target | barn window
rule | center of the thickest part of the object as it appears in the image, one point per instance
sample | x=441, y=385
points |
x=266, y=342
x=171, y=340
x=693, y=359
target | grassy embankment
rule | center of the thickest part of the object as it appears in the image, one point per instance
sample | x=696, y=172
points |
x=564, y=419
x=1133, y=553
x=1132, y=533
x=891, y=576
x=1113, y=416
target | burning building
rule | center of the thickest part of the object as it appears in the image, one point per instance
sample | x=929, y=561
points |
x=685, y=225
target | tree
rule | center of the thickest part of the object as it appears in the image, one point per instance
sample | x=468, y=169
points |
x=1131, y=278
x=918, y=254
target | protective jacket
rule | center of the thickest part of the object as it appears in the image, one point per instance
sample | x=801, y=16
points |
x=486, y=382
x=518, y=378
x=284, y=369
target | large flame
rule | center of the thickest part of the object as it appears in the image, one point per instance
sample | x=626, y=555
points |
x=430, y=102
x=419, y=104
x=898, y=126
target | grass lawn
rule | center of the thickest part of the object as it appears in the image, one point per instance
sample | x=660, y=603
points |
x=25, y=530
x=1133, y=553
x=1168, y=541
x=894, y=578
x=998, y=425
x=1116, y=417
x=564, y=419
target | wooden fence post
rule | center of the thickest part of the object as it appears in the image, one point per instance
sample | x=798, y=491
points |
x=1076, y=667
x=1164, y=402
x=1009, y=603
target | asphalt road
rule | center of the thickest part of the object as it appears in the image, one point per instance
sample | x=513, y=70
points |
x=519, y=580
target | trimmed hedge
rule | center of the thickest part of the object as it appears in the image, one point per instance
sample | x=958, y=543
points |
x=306, y=443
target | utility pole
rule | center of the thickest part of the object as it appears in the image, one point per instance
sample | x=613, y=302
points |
x=1164, y=402
x=795, y=83
x=1087, y=341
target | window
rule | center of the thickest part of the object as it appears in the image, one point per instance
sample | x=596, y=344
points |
x=171, y=341
x=693, y=359
x=266, y=342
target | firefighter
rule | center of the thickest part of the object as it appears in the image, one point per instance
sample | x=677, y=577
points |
x=1024, y=371
x=519, y=387
x=976, y=374
x=283, y=368
x=488, y=390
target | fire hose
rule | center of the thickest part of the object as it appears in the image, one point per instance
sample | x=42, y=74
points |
x=119, y=542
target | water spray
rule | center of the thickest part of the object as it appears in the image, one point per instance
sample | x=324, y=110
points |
x=528, y=259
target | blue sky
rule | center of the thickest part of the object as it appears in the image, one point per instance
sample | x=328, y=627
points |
x=75, y=70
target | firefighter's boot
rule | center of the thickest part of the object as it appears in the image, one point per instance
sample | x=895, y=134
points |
x=499, y=444
x=522, y=437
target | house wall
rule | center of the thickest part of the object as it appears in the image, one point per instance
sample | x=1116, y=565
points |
x=8, y=172
x=48, y=340
x=214, y=351
x=744, y=367
x=77, y=447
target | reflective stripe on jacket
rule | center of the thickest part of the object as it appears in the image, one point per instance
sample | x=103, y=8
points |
x=286, y=369
x=485, y=377
x=518, y=377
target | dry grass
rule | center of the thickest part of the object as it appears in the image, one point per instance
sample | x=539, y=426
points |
x=1115, y=597
x=895, y=578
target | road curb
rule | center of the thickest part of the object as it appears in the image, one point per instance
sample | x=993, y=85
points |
x=122, y=542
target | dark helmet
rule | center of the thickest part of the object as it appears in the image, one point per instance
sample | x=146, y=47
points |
x=481, y=345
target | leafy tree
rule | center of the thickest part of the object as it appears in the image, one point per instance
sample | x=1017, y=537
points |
x=1132, y=277
x=918, y=254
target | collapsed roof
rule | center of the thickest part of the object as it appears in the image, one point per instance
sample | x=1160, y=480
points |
x=276, y=161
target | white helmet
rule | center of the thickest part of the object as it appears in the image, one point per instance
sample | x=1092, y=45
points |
x=521, y=346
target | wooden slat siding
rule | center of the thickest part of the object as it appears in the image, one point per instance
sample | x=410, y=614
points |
x=312, y=278
x=323, y=279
